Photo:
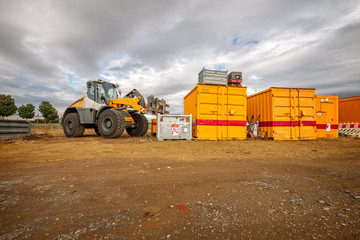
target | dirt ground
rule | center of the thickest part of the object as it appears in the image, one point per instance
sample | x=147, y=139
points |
x=53, y=187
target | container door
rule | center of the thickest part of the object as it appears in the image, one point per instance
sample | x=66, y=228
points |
x=231, y=117
x=326, y=116
x=235, y=105
x=294, y=113
x=305, y=106
x=207, y=112
x=331, y=124
x=283, y=117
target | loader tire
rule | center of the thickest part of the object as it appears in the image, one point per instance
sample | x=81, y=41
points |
x=72, y=126
x=141, y=125
x=111, y=124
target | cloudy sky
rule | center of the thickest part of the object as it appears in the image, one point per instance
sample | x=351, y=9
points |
x=49, y=49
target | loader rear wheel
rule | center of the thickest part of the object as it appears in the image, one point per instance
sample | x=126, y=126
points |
x=141, y=125
x=72, y=126
x=111, y=124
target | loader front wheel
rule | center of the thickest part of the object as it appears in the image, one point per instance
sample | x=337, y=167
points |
x=72, y=126
x=141, y=125
x=111, y=124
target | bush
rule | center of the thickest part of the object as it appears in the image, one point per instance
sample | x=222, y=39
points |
x=26, y=111
x=48, y=111
x=7, y=105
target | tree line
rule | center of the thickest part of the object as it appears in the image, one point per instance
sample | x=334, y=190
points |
x=8, y=108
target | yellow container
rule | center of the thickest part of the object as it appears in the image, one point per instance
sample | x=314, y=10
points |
x=327, y=116
x=349, y=110
x=284, y=113
x=219, y=112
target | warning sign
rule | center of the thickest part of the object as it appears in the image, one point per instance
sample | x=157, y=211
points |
x=328, y=127
x=174, y=131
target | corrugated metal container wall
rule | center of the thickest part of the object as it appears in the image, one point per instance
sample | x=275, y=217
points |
x=285, y=113
x=219, y=112
x=327, y=116
x=349, y=110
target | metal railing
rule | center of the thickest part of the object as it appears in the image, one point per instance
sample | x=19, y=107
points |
x=13, y=129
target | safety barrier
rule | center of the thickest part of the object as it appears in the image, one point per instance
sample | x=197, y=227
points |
x=350, y=129
x=13, y=129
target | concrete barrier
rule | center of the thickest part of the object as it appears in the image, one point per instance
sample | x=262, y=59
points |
x=350, y=129
x=13, y=129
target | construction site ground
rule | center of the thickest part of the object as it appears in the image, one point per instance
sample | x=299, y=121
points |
x=53, y=187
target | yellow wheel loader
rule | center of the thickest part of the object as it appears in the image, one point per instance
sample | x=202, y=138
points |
x=104, y=111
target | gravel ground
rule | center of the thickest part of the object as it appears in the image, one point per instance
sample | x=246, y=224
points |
x=52, y=187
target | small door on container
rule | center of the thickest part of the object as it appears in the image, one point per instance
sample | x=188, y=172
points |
x=327, y=124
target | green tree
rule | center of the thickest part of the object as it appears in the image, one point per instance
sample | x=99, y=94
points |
x=26, y=111
x=7, y=105
x=48, y=111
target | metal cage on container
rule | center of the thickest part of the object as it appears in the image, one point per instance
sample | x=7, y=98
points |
x=213, y=77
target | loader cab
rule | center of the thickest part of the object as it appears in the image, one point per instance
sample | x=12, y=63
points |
x=98, y=89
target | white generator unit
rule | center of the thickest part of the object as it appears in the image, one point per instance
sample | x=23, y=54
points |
x=173, y=127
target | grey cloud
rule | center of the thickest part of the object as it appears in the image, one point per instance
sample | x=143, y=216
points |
x=46, y=39
x=331, y=63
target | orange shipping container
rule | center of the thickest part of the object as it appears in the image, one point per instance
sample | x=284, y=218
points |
x=219, y=112
x=284, y=113
x=349, y=110
x=327, y=116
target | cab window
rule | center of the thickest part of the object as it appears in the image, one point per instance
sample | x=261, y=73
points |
x=91, y=91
